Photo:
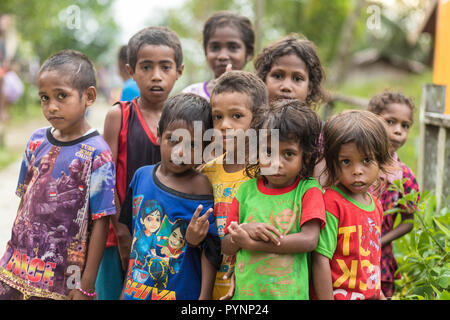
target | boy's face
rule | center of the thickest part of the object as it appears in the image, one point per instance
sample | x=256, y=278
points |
x=178, y=147
x=226, y=46
x=155, y=72
x=231, y=110
x=398, y=117
x=62, y=104
x=288, y=79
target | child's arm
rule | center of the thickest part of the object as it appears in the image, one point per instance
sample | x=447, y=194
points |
x=97, y=242
x=303, y=241
x=321, y=277
x=402, y=229
x=208, y=278
x=262, y=231
x=236, y=239
x=111, y=131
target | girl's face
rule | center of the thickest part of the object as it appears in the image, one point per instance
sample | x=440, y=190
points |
x=398, y=117
x=357, y=171
x=281, y=167
x=288, y=78
x=226, y=47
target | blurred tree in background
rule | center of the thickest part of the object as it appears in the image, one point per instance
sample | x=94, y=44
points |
x=47, y=26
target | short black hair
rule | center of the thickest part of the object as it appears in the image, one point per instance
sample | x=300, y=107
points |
x=246, y=83
x=157, y=36
x=226, y=18
x=186, y=107
x=75, y=64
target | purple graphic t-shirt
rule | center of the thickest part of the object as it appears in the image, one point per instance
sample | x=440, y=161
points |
x=64, y=186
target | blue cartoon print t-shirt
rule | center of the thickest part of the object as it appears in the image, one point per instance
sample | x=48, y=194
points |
x=162, y=266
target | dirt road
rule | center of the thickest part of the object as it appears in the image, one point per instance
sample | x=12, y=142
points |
x=16, y=138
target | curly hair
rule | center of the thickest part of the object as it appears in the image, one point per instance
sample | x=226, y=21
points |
x=306, y=51
x=295, y=121
x=379, y=102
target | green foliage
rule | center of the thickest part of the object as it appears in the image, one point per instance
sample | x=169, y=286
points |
x=50, y=26
x=423, y=254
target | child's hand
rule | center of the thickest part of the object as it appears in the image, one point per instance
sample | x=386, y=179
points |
x=238, y=235
x=198, y=227
x=230, y=293
x=260, y=231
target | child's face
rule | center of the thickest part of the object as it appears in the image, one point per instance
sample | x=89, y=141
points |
x=231, y=110
x=398, y=117
x=177, y=150
x=226, y=46
x=357, y=171
x=155, y=72
x=285, y=165
x=288, y=78
x=62, y=104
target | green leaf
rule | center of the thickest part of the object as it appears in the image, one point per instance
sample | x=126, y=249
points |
x=442, y=227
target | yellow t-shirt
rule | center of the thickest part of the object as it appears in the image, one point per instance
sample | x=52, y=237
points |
x=224, y=186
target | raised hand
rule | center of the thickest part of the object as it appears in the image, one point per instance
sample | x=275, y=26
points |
x=198, y=227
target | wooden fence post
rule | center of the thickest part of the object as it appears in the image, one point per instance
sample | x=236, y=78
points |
x=434, y=144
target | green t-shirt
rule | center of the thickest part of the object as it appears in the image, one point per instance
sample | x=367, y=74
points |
x=270, y=276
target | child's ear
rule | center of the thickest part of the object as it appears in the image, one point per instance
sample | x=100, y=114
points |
x=130, y=71
x=91, y=95
x=180, y=71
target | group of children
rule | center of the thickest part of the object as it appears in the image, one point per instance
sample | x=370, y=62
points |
x=295, y=220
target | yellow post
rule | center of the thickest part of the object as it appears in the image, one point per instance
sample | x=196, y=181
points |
x=441, y=68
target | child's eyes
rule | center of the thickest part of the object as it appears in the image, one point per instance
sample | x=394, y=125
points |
x=389, y=122
x=298, y=78
x=44, y=98
x=367, y=160
x=237, y=116
x=277, y=76
x=62, y=96
x=213, y=47
x=233, y=47
x=217, y=117
x=288, y=154
x=345, y=162
x=406, y=126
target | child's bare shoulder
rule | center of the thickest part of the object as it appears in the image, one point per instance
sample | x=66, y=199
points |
x=201, y=184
